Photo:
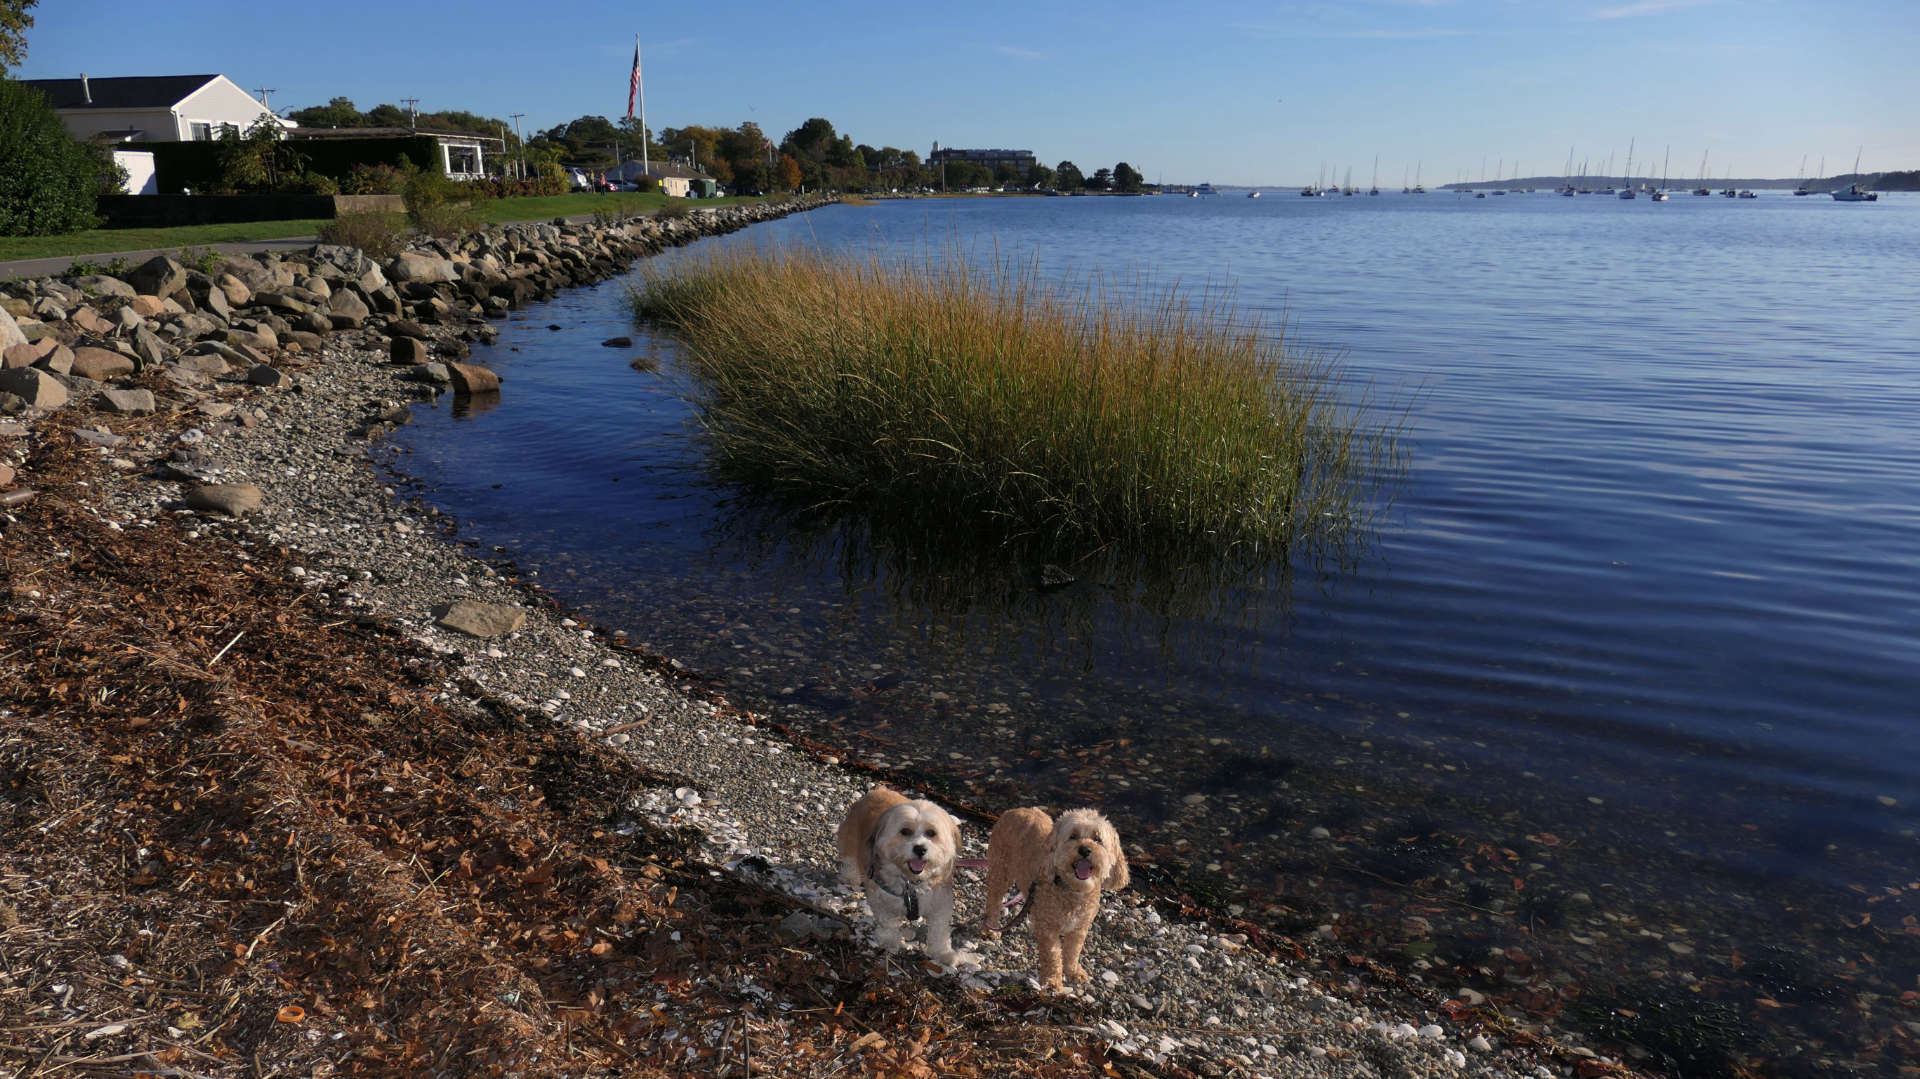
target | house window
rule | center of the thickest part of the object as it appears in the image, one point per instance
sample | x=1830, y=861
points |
x=463, y=160
x=199, y=132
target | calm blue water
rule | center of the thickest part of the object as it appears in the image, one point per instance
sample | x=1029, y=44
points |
x=1652, y=581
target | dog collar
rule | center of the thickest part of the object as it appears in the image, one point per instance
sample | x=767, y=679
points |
x=907, y=894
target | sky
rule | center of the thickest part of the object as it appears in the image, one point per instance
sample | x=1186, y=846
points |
x=1227, y=93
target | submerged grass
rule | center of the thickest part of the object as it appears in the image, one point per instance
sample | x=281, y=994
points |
x=1060, y=421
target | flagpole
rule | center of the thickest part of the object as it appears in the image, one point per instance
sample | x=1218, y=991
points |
x=645, y=168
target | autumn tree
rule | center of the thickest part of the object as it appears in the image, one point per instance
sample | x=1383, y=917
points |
x=789, y=173
x=14, y=21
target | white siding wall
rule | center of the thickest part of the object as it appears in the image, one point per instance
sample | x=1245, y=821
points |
x=217, y=103
x=139, y=166
x=158, y=124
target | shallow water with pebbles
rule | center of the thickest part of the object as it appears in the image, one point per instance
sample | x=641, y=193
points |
x=1168, y=989
x=1613, y=708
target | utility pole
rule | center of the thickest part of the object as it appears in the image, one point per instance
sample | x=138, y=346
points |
x=263, y=91
x=521, y=140
x=413, y=114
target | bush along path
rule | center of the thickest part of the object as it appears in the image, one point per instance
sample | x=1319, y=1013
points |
x=291, y=784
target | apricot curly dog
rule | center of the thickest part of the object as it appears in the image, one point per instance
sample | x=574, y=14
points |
x=1063, y=866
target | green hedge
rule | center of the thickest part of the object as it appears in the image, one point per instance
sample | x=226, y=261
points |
x=196, y=165
x=47, y=180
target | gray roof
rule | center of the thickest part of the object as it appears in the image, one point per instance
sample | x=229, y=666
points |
x=122, y=92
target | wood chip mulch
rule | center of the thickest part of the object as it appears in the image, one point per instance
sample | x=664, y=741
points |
x=241, y=836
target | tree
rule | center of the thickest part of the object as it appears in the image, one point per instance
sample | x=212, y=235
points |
x=1067, y=177
x=1007, y=175
x=811, y=141
x=789, y=174
x=388, y=116
x=14, y=21
x=48, y=181
x=1101, y=180
x=1127, y=178
x=339, y=112
x=1040, y=176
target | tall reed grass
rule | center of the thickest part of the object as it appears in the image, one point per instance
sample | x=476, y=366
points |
x=981, y=403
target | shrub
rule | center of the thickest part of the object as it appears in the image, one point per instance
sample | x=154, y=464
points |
x=48, y=181
x=985, y=404
x=377, y=179
x=672, y=211
x=438, y=206
x=379, y=235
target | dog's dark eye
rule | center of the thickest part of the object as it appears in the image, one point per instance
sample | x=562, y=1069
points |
x=929, y=833
x=906, y=831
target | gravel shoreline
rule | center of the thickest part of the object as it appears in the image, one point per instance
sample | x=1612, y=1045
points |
x=1184, y=991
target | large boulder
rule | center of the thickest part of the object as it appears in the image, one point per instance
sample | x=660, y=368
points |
x=232, y=499
x=408, y=350
x=148, y=346
x=34, y=386
x=27, y=354
x=10, y=334
x=238, y=292
x=347, y=309
x=409, y=266
x=158, y=276
x=100, y=364
x=471, y=379
x=102, y=285
x=130, y=402
x=482, y=619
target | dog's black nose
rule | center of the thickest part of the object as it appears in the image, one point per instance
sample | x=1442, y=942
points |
x=919, y=850
x=1086, y=852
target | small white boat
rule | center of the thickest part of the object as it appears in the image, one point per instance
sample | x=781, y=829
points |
x=1856, y=193
x=1253, y=194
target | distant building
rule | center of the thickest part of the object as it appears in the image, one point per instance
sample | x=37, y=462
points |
x=463, y=154
x=152, y=108
x=991, y=160
x=675, y=179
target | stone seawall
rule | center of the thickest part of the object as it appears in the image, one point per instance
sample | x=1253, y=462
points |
x=92, y=338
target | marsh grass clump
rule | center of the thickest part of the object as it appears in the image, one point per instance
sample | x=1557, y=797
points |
x=981, y=403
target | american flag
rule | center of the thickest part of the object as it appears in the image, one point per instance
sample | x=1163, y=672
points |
x=633, y=81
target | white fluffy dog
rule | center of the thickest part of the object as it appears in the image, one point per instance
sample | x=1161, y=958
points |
x=1063, y=866
x=901, y=853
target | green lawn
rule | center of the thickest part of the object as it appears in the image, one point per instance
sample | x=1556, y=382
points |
x=493, y=212
x=109, y=241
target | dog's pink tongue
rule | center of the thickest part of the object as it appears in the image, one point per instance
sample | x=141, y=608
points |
x=1083, y=869
x=918, y=865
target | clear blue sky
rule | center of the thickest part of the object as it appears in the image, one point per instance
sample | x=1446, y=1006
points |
x=1223, y=92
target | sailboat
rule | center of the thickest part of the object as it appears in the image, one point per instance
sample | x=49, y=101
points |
x=1375, y=190
x=1805, y=180
x=1703, y=189
x=1626, y=189
x=1855, y=192
x=1417, y=189
x=1660, y=195
x=1404, y=189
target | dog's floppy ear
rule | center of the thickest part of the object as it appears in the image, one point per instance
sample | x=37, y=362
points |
x=950, y=828
x=1117, y=876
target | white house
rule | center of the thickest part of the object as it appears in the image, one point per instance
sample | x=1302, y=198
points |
x=152, y=108
x=675, y=179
